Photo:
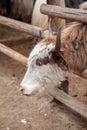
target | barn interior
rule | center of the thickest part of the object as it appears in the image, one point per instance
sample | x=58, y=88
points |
x=19, y=112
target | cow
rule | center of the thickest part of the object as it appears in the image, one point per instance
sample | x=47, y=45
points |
x=22, y=9
x=43, y=69
x=52, y=58
x=17, y=9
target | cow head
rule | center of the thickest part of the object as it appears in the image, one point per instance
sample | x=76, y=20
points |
x=45, y=67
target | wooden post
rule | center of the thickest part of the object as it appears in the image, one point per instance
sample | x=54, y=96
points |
x=13, y=54
x=55, y=21
x=27, y=28
x=64, y=13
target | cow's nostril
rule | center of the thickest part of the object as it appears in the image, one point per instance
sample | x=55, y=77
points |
x=21, y=89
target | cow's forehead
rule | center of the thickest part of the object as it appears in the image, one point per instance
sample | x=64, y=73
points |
x=41, y=50
x=43, y=47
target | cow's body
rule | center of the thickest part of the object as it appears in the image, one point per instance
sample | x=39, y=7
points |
x=17, y=9
x=74, y=47
x=23, y=9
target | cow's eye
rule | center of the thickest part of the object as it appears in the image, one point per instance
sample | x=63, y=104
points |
x=42, y=61
x=39, y=62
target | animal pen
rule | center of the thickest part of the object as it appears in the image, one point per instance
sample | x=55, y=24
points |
x=50, y=10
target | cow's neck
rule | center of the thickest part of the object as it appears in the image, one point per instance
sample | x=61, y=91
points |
x=76, y=58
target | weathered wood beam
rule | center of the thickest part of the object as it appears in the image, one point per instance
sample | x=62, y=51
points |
x=13, y=54
x=17, y=41
x=75, y=105
x=54, y=22
x=21, y=26
x=64, y=13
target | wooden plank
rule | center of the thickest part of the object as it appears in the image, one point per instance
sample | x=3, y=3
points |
x=21, y=26
x=17, y=41
x=13, y=54
x=64, y=13
x=69, y=101
x=54, y=22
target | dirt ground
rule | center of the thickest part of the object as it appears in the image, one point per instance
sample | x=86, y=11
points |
x=19, y=112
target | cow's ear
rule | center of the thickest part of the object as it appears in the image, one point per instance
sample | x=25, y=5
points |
x=64, y=86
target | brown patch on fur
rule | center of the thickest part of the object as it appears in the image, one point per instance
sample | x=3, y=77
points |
x=74, y=46
x=76, y=32
x=48, y=40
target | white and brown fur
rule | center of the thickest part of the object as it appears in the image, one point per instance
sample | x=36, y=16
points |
x=44, y=70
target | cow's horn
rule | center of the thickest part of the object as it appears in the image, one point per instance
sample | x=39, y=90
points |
x=58, y=40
